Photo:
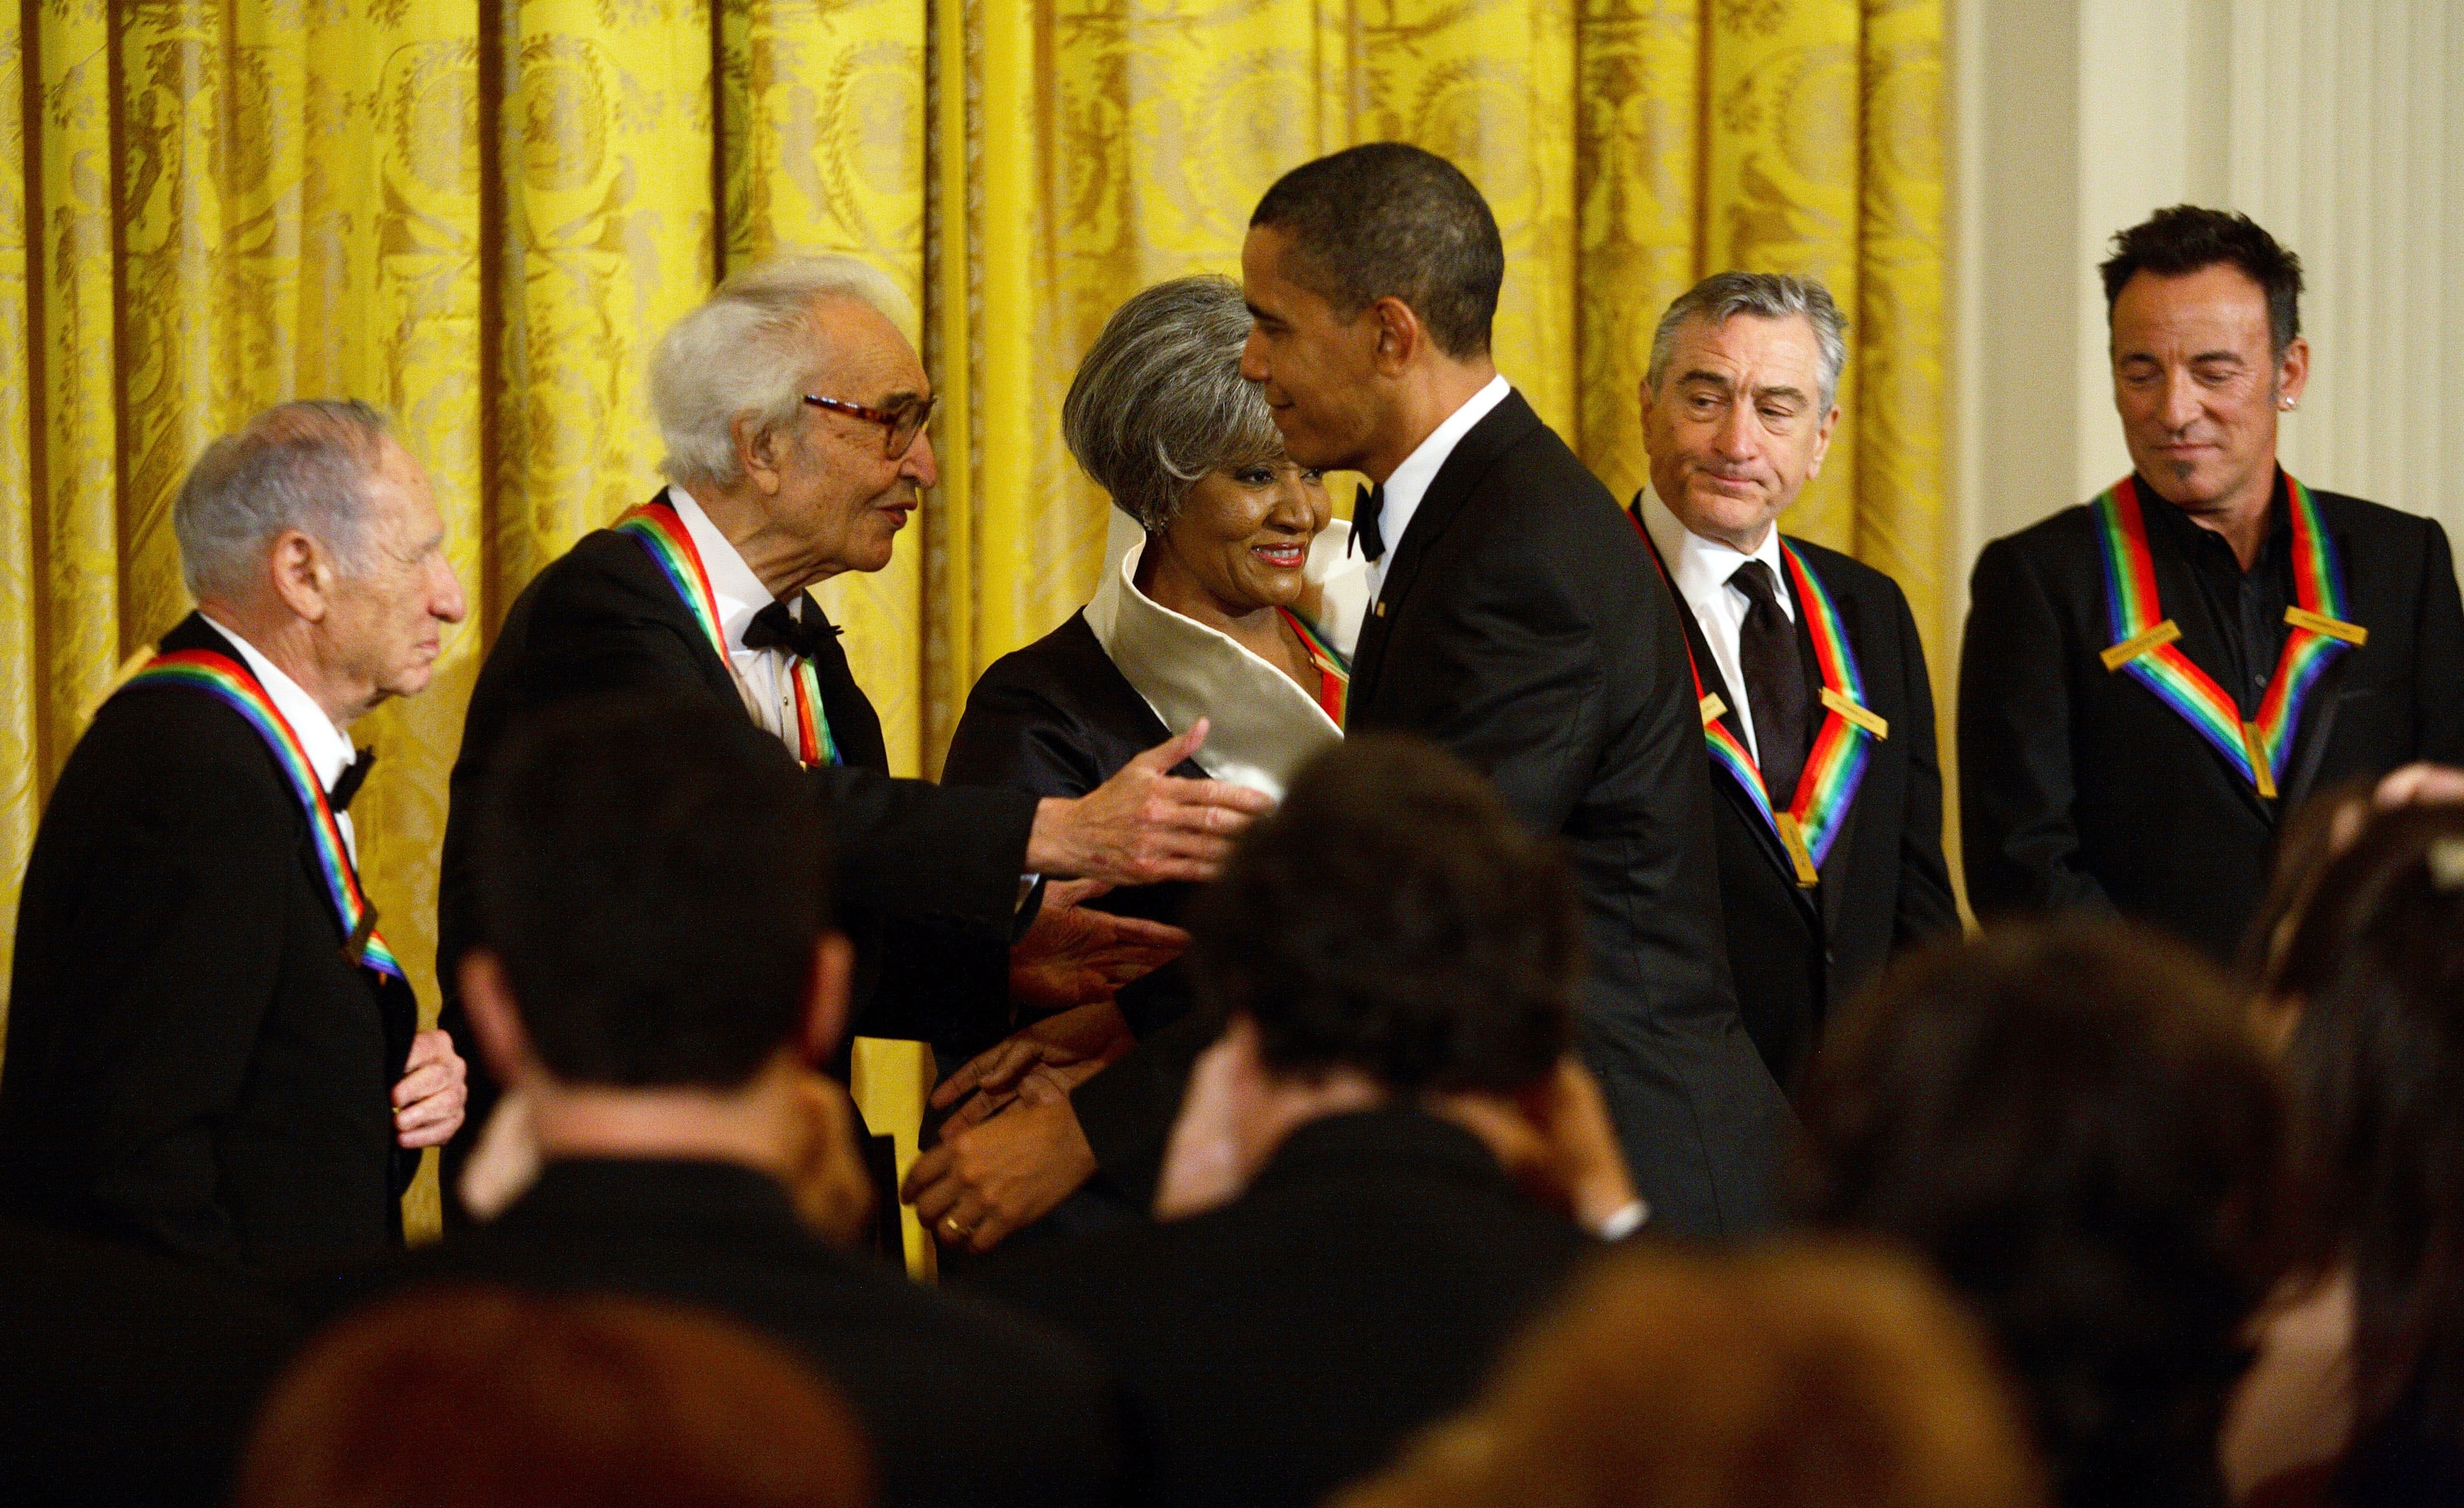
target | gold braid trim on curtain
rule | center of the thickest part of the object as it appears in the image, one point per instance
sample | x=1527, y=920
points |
x=481, y=216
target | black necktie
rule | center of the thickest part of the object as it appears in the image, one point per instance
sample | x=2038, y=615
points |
x=778, y=626
x=348, y=784
x=1774, y=683
x=1364, y=522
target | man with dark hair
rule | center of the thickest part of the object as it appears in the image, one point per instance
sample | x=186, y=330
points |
x=1346, y=1247
x=2151, y=680
x=1515, y=620
x=655, y=969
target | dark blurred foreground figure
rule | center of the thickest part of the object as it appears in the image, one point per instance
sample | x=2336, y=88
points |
x=657, y=972
x=2076, y=1126
x=1801, y=1376
x=1357, y=1191
x=551, y=1403
x=2359, y=1396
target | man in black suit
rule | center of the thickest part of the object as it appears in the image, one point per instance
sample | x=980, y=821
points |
x=1830, y=809
x=2151, y=680
x=655, y=969
x=210, y=1049
x=1516, y=621
x=1347, y=1239
x=795, y=414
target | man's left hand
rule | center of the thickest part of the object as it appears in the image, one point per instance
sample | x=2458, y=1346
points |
x=1073, y=954
x=427, y=1102
x=985, y=1181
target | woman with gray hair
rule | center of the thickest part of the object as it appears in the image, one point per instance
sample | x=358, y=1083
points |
x=1233, y=600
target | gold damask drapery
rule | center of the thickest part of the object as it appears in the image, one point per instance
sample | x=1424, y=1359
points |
x=480, y=216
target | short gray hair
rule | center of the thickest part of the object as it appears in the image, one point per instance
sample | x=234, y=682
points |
x=1161, y=401
x=744, y=352
x=302, y=466
x=1722, y=296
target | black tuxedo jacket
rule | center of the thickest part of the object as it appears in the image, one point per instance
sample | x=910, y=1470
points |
x=2078, y=787
x=927, y=877
x=193, y=1060
x=1289, y=1343
x=1058, y=718
x=1797, y=954
x=1519, y=626
x=964, y=1406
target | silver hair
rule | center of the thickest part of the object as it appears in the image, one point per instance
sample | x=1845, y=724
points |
x=1722, y=296
x=1161, y=401
x=744, y=352
x=302, y=466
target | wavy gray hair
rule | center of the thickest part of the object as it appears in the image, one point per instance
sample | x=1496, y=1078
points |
x=1722, y=296
x=1161, y=401
x=745, y=351
x=302, y=466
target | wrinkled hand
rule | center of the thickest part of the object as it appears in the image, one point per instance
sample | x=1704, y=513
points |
x=1073, y=1046
x=1144, y=825
x=1556, y=1142
x=427, y=1102
x=1073, y=954
x=833, y=1193
x=985, y=1182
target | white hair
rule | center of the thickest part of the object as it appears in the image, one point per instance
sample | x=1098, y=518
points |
x=744, y=351
x=302, y=466
x=1722, y=296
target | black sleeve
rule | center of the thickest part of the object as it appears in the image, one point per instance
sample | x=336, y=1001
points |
x=2020, y=839
x=1014, y=735
x=2438, y=655
x=1925, y=905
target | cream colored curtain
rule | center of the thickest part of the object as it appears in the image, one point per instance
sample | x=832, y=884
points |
x=481, y=216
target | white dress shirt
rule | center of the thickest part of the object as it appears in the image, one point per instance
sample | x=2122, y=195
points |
x=1701, y=568
x=767, y=677
x=328, y=748
x=1411, y=480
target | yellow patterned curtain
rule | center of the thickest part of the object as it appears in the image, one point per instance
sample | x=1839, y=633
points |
x=480, y=216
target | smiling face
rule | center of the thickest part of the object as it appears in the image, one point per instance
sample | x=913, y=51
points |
x=2199, y=389
x=837, y=488
x=1736, y=427
x=1318, y=372
x=385, y=626
x=1241, y=540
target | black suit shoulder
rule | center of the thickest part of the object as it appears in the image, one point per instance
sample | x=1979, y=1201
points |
x=1054, y=718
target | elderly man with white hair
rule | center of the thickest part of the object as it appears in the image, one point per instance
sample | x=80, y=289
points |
x=795, y=415
x=210, y=1048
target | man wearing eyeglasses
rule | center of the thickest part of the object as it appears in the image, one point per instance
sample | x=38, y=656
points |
x=794, y=414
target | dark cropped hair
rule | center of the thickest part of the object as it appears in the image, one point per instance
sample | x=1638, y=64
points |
x=1392, y=917
x=2377, y=1060
x=654, y=875
x=2186, y=238
x=1389, y=220
x=2074, y=1123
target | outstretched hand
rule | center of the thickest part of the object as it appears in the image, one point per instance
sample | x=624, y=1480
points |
x=1073, y=1045
x=1144, y=825
x=1075, y=955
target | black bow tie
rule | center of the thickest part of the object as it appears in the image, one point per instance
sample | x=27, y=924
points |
x=348, y=784
x=779, y=627
x=1364, y=523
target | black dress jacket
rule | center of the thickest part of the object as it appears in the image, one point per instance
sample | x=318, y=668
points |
x=1058, y=718
x=1796, y=953
x=193, y=1061
x=2080, y=787
x=1519, y=626
x=964, y=1406
x=927, y=877
x=1289, y=1342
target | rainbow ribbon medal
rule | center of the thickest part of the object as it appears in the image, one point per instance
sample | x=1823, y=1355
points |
x=2144, y=639
x=224, y=678
x=663, y=533
x=1334, y=671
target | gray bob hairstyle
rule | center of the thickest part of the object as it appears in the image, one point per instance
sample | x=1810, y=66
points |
x=299, y=465
x=1722, y=296
x=1161, y=401
x=746, y=351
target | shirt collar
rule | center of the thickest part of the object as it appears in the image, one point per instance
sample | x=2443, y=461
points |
x=1411, y=480
x=1701, y=567
x=738, y=592
x=2192, y=536
x=327, y=747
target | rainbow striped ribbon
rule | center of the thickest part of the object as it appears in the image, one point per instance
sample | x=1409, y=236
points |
x=226, y=679
x=2143, y=639
x=1334, y=671
x=661, y=531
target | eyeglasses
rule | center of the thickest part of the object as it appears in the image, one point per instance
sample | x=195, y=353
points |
x=900, y=425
